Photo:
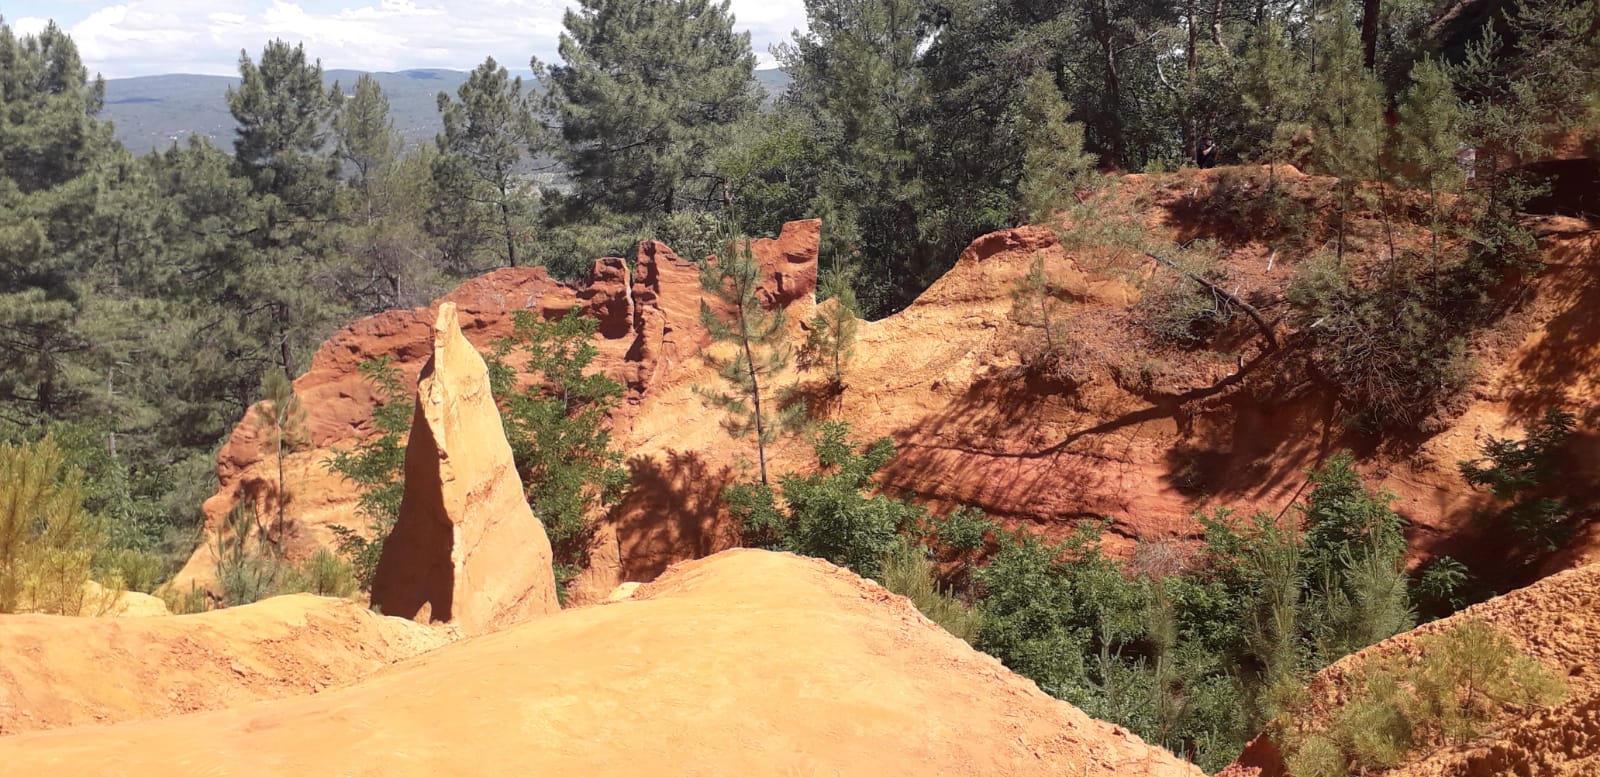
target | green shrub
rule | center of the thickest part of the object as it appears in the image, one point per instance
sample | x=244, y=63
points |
x=1176, y=311
x=907, y=571
x=1457, y=682
x=377, y=466
x=1515, y=471
x=557, y=428
x=828, y=514
x=325, y=574
x=47, y=539
x=965, y=531
x=139, y=570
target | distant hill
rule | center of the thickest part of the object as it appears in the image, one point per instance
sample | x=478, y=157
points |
x=151, y=112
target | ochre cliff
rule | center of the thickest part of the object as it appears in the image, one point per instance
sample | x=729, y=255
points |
x=1132, y=432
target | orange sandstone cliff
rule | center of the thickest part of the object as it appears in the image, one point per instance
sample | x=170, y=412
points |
x=1134, y=433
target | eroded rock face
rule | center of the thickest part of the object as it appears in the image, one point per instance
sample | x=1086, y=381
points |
x=466, y=548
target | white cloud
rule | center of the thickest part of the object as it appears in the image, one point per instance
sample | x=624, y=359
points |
x=140, y=37
x=29, y=25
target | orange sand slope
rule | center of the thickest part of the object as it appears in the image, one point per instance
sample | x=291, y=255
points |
x=57, y=671
x=747, y=662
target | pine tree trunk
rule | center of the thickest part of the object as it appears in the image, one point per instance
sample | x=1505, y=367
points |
x=755, y=396
x=1370, y=12
x=505, y=226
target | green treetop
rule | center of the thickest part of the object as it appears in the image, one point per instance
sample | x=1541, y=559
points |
x=648, y=90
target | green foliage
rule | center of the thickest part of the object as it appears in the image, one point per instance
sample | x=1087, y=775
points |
x=908, y=572
x=1394, y=348
x=557, y=427
x=1039, y=309
x=831, y=333
x=965, y=531
x=759, y=339
x=646, y=93
x=1178, y=312
x=489, y=131
x=1443, y=583
x=1515, y=472
x=1274, y=92
x=250, y=569
x=1054, y=163
x=47, y=539
x=325, y=574
x=829, y=513
x=377, y=467
x=283, y=115
x=1465, y=677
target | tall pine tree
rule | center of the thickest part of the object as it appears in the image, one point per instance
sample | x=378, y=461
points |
x=489, y=133
x=648, y=90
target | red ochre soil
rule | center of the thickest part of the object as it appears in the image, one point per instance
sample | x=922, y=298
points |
x=748, y=662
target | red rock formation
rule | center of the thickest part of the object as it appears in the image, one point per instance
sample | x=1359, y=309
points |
x=649, y=338
x=466, y=548
x=1139, y=435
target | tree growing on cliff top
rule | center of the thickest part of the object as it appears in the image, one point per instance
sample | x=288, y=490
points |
x=280, y=419
x=831, y=341
x=1054, y=161
x=760, y=348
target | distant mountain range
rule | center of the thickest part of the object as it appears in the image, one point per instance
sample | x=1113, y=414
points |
x=153, y=112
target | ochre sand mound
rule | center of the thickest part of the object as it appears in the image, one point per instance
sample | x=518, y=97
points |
x=747, y=662
x=1557, y=621
x=60, y=671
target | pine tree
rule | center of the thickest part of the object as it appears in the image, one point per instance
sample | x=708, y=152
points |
x=831, y=341
x=1054, y=161
x=1427, y=138
x=281, y=148
x=284, y=114
x=51, y=155
x=647, y=91
x=1273, y=94
x=1036, y=309
x=1347, y=113
x=47, y=539
x=759, y=339
x=489, y=132
x=365, y=134
x=280, y=419
x=858, y=86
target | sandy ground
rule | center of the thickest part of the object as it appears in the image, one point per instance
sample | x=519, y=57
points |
x=745, y=663
x=60, y=671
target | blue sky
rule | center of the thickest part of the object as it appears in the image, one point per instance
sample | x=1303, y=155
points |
x=145, y=37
